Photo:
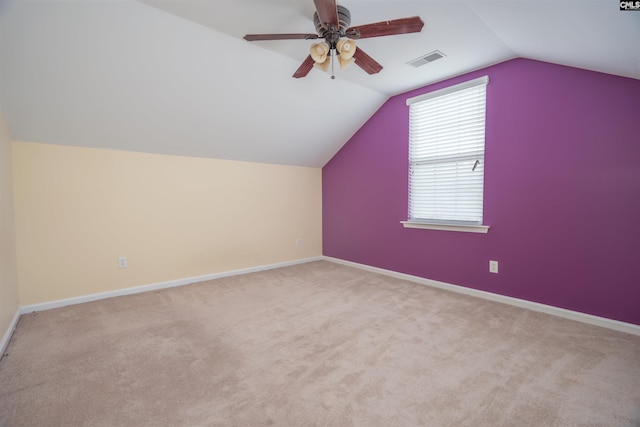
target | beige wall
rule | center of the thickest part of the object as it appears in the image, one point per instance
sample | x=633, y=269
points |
x=8, y=271
x=79, y=209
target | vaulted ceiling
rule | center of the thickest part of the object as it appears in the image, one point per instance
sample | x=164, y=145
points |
x=176, y=77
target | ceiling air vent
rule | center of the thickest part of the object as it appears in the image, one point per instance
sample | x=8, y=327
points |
x=425, y=59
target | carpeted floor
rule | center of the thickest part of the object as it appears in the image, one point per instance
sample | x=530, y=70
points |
x=317, y=344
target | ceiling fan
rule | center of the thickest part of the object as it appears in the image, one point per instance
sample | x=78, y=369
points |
x=332, y=24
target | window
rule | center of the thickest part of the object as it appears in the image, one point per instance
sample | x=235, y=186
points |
x=446, y=157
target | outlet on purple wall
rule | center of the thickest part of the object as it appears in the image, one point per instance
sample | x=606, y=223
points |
x=562, y=193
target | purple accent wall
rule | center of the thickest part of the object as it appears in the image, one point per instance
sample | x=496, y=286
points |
x=562, y=193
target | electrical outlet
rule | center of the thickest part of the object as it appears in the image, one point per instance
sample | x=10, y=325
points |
x=493, y=267
x=299, y=242
x=122, y=262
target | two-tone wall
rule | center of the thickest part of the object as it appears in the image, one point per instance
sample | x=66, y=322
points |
x=79, y=209
x=562, y=193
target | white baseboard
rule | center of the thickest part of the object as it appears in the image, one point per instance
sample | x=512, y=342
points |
x=555, y=311
x=629, y=328
x=155, y=286
x=7, y=335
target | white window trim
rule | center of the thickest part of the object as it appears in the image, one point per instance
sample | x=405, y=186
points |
x=448, y=226
x=484, y=80
x=483, y=229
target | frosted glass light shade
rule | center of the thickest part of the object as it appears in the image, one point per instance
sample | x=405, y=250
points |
x=319, y=52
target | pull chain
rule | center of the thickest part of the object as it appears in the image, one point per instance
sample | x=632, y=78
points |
x=333, y=60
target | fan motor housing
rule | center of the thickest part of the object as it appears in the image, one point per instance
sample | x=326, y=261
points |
x=344, y=20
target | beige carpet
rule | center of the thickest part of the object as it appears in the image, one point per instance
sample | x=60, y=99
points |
x=317, y=344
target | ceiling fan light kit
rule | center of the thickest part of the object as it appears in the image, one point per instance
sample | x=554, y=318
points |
x=344, y=63
x=324, y=65
x=332, y=24
x=346, y=47
x=319, y=52
x=322, y=54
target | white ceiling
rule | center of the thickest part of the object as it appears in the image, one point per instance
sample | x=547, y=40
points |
x=176, y=77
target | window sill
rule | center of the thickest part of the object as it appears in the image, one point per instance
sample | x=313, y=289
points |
x=447, y=227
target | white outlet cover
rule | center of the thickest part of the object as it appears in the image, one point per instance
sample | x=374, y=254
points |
x=493, y=266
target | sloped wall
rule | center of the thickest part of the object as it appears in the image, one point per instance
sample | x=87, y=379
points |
x=562, y=193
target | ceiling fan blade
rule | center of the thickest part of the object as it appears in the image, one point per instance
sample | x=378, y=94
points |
x=327, y=12
x=366, y=62
x=386, y=28
x=304, y=68
x=259, y=37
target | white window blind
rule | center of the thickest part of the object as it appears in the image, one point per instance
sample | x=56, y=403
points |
x=446, y=154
